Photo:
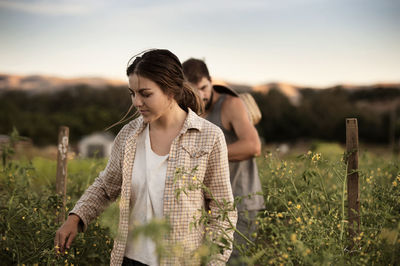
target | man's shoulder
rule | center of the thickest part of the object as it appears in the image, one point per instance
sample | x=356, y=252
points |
x=232, y=104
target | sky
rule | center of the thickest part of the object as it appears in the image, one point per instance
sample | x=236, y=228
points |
x=316, y=43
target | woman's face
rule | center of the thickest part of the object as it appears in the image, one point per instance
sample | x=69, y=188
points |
x=148, y=98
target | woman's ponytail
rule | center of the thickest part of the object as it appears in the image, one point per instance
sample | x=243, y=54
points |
x=190, y=99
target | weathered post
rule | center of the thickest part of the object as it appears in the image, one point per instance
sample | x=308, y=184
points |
x=61, y=179
x=353, y=195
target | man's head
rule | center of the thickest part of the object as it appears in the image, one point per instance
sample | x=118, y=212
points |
x=196, y=72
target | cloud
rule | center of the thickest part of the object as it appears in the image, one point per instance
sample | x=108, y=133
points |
x=46, y=7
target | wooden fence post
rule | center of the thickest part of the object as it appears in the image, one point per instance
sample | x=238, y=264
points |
x=353, y=195
x=61, y=179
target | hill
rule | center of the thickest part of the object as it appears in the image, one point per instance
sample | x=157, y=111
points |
x=40, y=83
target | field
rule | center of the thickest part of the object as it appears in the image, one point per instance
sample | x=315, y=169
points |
x=304, y=222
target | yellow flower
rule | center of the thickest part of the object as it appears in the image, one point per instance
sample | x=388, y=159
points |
x=316, y=157
x=279, y=215
x=308, y=251
x=194, y=178
x=94, y=244
x=23, y=217
x=298, y=219
x=34, y=209
x=209, y=211
x=289, y=203
x=394, y=183
x=298, y=206
x=285, y=256
x=293, y=238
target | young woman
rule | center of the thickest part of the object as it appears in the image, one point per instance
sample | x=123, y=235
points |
x=168, y=135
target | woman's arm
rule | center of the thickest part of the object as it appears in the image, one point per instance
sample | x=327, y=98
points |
x=96, y=198
x=106, y=188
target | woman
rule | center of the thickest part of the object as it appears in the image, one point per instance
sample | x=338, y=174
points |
x=142, y=169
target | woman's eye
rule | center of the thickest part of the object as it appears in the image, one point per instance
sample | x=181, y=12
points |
x=146, y=95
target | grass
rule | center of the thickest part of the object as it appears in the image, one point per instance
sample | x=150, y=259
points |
x=304, y=222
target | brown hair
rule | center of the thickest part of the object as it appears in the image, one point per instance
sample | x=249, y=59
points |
x=164, y=68
x=195, y=69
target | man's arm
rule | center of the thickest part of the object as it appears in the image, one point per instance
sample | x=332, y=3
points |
x=248, y=145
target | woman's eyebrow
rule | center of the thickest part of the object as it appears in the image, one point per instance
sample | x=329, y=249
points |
x=139, y=90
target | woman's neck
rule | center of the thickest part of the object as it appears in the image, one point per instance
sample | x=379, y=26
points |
x=173, y=119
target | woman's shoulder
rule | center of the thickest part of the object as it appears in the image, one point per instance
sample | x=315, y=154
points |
x=207, y=128
x=130, y=128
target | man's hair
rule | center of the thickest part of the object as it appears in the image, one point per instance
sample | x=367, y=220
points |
x=195, y=69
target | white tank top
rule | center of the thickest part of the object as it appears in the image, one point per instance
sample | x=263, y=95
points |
x=147, y=197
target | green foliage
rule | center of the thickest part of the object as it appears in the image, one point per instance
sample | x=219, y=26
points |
x=321, y=114
x=304, y=223
x=27, y=222
x=83, y=109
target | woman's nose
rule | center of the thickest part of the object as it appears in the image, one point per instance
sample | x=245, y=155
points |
x=137, y=102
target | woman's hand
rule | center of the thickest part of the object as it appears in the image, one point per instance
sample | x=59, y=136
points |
x=66, y=233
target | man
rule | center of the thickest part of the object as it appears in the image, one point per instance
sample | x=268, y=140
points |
x=224, y=108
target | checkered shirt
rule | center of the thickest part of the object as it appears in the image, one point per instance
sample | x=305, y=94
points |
x=199, y=144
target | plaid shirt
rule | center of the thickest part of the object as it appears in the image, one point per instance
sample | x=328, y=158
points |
x=199, y=143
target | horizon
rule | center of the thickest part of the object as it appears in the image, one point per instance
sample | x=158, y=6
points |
x=315, y=43
x=215, y=81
